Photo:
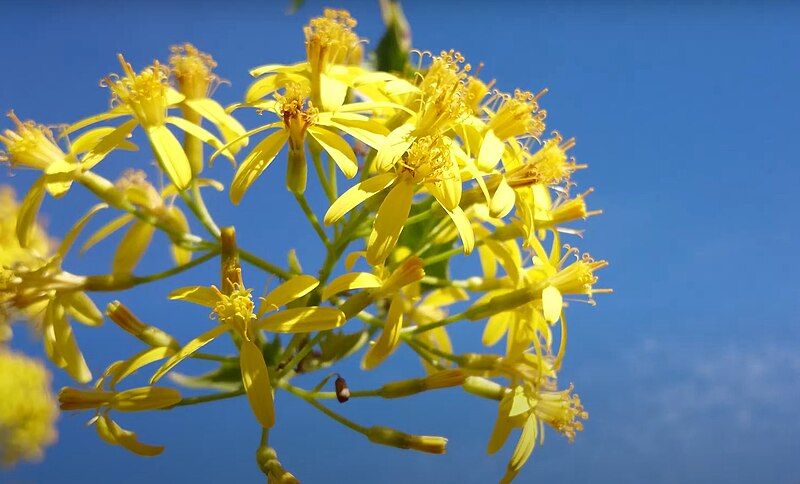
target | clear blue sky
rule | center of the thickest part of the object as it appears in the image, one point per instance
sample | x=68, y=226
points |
x=688, y=119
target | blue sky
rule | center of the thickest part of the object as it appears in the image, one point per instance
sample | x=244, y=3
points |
x=688, y=119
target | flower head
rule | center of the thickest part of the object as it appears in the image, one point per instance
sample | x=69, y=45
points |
x=193, y=71
x=27, y=408
x=548, y=166
x=297, y=113
x=330, y=40
x=144, y=93
x=444, y=95
x=30, y=145
x=517, y=115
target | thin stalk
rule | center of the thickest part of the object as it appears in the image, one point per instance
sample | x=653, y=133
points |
x=208, y=398
x=330, y=413
x=312, y=218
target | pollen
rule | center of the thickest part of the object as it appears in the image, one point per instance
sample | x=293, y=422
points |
x=193, y=70
x=236, y=309
x=562, y=410
x=444, y=94
x=145, y=93
x=578, y=277
x=297, y=112
x=517, y=116
x=549, y=165
x=330, y=40
x=30, y=145
x=428, y=160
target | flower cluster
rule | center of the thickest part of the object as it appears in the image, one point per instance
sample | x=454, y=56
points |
x=439, y=165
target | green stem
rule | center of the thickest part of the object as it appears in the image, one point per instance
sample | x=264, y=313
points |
x=330, y=413
x=312, y=218
x=323, y=180
x=264, y=265
x=298, y=357
x=208, y=398
x=207, y=356
x=198, y=207
x=112, y=282
x=324, y=395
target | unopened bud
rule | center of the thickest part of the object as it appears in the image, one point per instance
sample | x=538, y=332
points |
x=394, y=438
x=268, y=462
x=149, y=335
x=504, y=302
x=231, y=269
x=484, y=388
x=342, y=391
x=441, y=379
x=294, y=262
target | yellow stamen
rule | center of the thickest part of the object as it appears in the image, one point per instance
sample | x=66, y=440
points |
x=330, y=40
x=517, y=115
x=193, y=70
x=444, y=96
x=145, y=93
x=30, y=145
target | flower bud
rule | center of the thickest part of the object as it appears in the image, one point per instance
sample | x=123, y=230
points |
x=483, y=388
x=441, y=379
x=149, y=335
x=401, y=440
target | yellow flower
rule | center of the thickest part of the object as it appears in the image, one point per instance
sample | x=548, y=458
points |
x=428, y=309
x=300, y=117
x=548, y=166
x=429, y=163
x=145, y=98
x=236, y=313
x=383, y=285
x=193, y=73
x=27, y=408
x=440, y=103
x=332, y=50
x=41, y=289
x=530, y=408
x=134, y=400
x=135, y=189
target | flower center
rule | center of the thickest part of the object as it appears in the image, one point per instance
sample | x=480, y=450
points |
x=145, y=93
x=297, y=112
x=428, y=160
x=192, y=70
x=562, y=410
x=30, y=145
x=443, y=99
x=330, y=40
x=236, y=309
x=517, y=115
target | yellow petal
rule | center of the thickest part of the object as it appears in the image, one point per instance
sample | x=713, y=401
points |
x=108, y=143
x=178, y=221
x=527, y=441
x=395, y=145
x=496, y=327
x=255, y=379
x=338, y=149
x=132, y=247
x=114, y=113
x=389, y=221
x=302, y=320
x=506, y=258
x=366, y=130
x=106, y=230
x=492, y=149
x=256, y=162
x=448, y=190
x=114, y=434
x=202, y=295
x=332, y=92
x=59, y=176
x=227, y=124
x=26, y=218
x=88, y=140
x=352, y=258
x=503, y=200
x=500, y=432
x=200, y=133
x=387, y=342
x=294, y=288
x=464, y=228
x=350, y=281
x=76, y=229
x=357, y=194
x=137, y=361
x=82, y=308
x=187, y=350
x=170, y=155
x=65, y=345
x=552, y=303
